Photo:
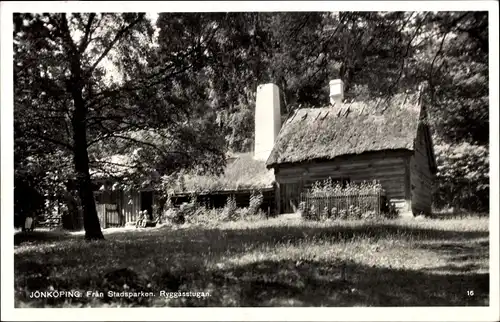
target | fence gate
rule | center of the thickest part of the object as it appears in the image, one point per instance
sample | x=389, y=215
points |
x=109, y=216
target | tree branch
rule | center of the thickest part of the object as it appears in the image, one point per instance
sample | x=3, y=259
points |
x=54, y=141
x=117, y=136
x=407, y=50
x=136, y=87
x=431, y=71
x=66, y=36
x=85, y=40
x=113, y=163
x=325, y=43
x=451, y=26
x=118, y=36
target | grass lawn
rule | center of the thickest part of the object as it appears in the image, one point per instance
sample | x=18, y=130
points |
x=276, y=262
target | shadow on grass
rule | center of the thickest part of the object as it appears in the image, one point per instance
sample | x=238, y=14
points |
x=315, y=283
x=457, y=214
x=320, y=284
x=464, y=256
x=40, y=236
x=174, y=260
x=296, y=234
x=293, y=234
x=238, y=240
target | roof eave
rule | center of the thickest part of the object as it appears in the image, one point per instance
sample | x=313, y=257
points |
x=274, y=164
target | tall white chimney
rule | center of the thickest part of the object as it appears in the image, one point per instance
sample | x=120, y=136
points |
x=267, y=120
x=336, y=92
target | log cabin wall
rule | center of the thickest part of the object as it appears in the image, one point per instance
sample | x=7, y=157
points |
x=388, y=167
x=130, y=205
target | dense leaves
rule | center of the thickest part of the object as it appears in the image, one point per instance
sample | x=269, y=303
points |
x=463, y=176
x=459, y=105
x=72, y=103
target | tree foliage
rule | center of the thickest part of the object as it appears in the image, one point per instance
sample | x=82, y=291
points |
x=66, y=103
x=457, y=72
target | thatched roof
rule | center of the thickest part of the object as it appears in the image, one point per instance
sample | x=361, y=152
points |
x=241, y=173
x=353, y=128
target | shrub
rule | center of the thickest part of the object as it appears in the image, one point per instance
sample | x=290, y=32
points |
x=462, y=178
x=257, y=216
x=369, y=215
x=325, y=213
x=189, y=211
x=198, y=215
x=164, y=211
x=313, y=213
x=168, y=203
x=302, y=210
x=242, y=213
x=355, y=212
x=213, y=216
x=175, y=216
x=187, y=208
x=334, y=213
x=193, y=200
x=229, y=210
x=331, y=187
x=256, y=200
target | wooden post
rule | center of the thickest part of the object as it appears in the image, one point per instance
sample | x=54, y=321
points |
x=378, y=203
x=105, y=217
x=348, y=205
x=277, y=198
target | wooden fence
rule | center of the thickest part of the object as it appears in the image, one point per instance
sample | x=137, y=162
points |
x=109, y=215
x=342, y=204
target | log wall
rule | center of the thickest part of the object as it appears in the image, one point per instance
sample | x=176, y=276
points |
x=388, y=168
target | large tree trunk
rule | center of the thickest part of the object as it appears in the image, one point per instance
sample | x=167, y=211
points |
x=74, y=85
x=81, y=162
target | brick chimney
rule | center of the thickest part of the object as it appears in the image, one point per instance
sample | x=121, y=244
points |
x=267, y=120
x=336, y=92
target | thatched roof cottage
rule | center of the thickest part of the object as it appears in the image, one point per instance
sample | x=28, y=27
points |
x=385, y=139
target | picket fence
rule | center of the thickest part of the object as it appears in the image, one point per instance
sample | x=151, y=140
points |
x=343, y=202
